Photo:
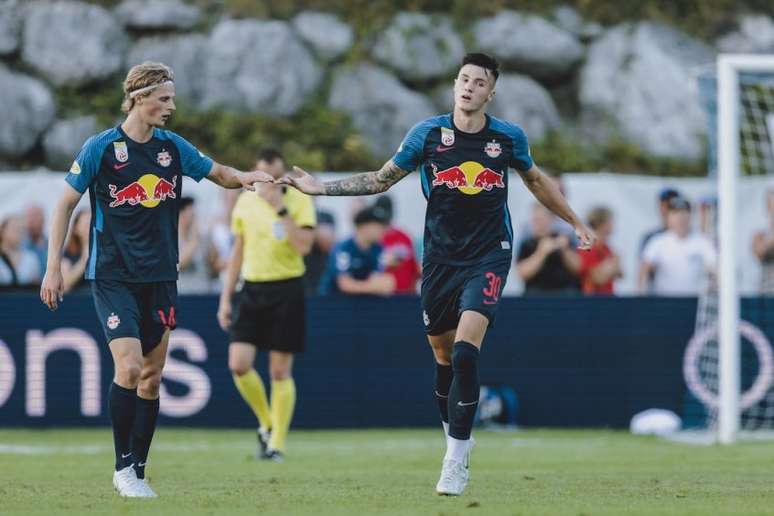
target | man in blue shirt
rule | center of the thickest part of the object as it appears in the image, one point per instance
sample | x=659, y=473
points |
x=133, y=174
x=355, y=265
x=463, y=158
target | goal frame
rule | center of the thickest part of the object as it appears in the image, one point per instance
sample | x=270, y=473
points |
x=729, y=67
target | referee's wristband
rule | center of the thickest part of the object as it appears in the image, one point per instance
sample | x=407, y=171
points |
x=284, y=211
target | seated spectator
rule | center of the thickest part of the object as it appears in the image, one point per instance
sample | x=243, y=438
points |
x=763, y=247
x=546, y=261
x=193, y=277
x=75, y=256
x=399, y=258
x=600, y=266
x=355, y=266
x=35, y=239
x=677, y=259
x=18, y=266
x=317, y=259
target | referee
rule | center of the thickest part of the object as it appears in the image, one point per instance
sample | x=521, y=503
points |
x=273, y=230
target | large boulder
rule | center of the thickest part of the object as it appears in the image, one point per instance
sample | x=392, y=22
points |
x=325, y=33
x=754, y=35
x=519, y=100
x=28, y=109
x=65, y=138
x=638, y=82
x=247, y=68
x=10, y=26
x=153, y=14
x=381, y=108
x=72, y=43
x=420, y=46
x=570, y=20
x=529, y=43
x=184, y=53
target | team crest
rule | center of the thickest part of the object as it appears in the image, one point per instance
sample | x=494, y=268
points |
x=163, y=158
x=447, y=136
x=493, y=149
x=425, y=318
x=113, y=321
x=121, y=152
x=75, y=168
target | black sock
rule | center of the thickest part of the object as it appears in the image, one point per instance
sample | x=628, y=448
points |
x=464, y=391
x=443, y=380
x=121, y=404
x=142, y=433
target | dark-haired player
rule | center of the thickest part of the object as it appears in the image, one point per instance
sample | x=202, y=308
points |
x=463, y=158
x=134, y=175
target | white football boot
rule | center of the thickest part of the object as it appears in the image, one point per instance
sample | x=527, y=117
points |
x=127, y=484
x=455, y=474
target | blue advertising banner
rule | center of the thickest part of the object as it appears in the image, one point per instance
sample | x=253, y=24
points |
x=571, y=362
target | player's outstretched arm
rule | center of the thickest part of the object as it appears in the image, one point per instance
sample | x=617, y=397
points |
x=366, y=183
x=52, y=287
x=228, y=177
x=549, y=195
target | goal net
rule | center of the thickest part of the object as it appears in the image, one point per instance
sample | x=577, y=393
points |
x=729, y=363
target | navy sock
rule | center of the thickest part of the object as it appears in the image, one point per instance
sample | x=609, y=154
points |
x=464, y=391
x=443, y=380
x=121, y=404
x=142, y=433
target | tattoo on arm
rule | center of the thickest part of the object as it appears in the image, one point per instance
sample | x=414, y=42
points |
x=368, y=182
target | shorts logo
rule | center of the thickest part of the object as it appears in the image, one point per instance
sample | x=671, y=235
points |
x=113, y=321
x=121, y=151
x=425, y=318
x=164, y=158
x=447, y=136
x=493, y=149
x=75, y=168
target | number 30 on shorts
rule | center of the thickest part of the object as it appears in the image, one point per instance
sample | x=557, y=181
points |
x=492, y=291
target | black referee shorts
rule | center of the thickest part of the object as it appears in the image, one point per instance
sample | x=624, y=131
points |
x=271, y=315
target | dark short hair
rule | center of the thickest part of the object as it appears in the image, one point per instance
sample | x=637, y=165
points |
x=679, y=203
x=372, y=214
x=385, y=202
x=185, y=202
x=484, y=61
x=667, y=194
x=270, y=155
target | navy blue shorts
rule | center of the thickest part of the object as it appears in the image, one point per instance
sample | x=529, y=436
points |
x=140, y=310
x=449, y=290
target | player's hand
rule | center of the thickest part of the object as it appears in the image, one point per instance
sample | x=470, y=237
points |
x=256, y=176
x=224, y=315
x=52, y=288
x=303, y=181
x=586, y=237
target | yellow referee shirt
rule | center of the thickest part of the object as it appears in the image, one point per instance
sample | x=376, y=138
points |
x=267, y=254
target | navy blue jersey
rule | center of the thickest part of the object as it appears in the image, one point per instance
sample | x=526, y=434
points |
x=134, y=190
x=465, y=181
x=348, y=258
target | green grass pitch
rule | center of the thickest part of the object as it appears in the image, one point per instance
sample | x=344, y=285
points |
x=386, y=472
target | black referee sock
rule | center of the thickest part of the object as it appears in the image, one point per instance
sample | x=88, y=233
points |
x=443, y=380
x=121, y=404
x=464, y=391
x=142, y=433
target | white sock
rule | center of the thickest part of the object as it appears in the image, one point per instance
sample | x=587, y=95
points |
x=456, y=449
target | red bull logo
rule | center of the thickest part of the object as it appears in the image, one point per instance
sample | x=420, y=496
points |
x=469, y=178
x=147, y=191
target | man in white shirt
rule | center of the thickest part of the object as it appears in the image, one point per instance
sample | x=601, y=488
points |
x=677, y=258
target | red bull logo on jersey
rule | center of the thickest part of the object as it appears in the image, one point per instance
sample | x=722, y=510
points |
x=469, y=178
x=147, y=191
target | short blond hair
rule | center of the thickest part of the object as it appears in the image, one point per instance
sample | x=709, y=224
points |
x=598, y=216
x=142, y=76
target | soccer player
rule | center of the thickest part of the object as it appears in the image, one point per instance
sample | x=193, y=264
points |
x=463, y=158
x=273, y=232
x=133, y=173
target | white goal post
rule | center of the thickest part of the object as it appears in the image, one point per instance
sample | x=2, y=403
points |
x=729, y=66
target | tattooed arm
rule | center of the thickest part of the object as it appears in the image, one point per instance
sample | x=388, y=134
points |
x=366, y=183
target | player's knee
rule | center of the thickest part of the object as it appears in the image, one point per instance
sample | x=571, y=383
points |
x=150, y=382
x=464, y=357
x=441, y=352
x=128, y=374
x=279, y=372
x=239, y=367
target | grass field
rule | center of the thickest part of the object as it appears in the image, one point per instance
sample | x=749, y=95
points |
x=196, y=472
